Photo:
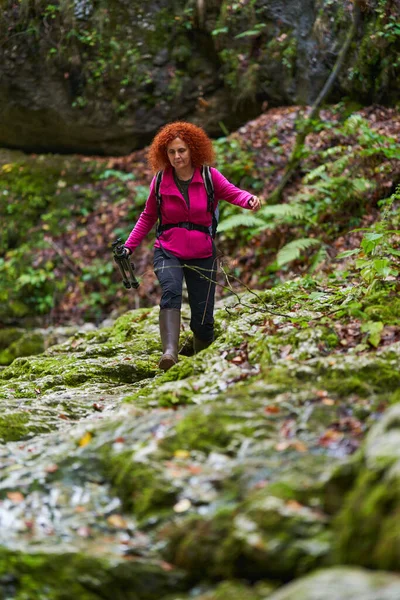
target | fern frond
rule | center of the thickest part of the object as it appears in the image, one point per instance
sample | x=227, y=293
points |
x=360, y=185
x=292, y=250
x=240, y=220
x=317, y=172
x=320, y=256
x=283, y=211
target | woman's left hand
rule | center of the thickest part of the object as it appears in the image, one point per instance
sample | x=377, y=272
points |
x=255, y=203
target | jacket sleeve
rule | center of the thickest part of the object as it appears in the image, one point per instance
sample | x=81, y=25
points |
x=225, y=190
x=146, y=221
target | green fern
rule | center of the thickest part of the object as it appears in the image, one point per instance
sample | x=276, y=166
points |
x=293, y=250
x=283, y=211
x=240, y=220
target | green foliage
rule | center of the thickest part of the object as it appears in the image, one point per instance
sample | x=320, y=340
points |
x=293, y=250
x=99, y=48
x=377, y=258
x=377, y=56
x=120, y=175
x=283, y=212
x=338, y=186
x=244, y=219
x=251, y=32
x=234, y=159
x=373, y=329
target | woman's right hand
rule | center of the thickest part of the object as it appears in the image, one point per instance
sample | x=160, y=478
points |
x=255, y=203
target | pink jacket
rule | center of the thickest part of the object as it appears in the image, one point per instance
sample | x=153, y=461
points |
x=181, y=242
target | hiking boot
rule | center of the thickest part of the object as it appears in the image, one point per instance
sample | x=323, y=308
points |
x=199, y=345
x=170, y=324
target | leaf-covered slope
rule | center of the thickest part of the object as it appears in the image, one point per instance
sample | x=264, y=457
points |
x=61, y=214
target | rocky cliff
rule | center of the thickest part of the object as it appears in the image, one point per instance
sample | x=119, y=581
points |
x=94, y=77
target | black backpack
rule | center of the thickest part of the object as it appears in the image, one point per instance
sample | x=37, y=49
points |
x=208, y=183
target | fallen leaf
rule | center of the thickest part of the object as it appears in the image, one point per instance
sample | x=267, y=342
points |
x=299, y=446
x=117, y=521
x=272, y=409
x=237, y=360
x=166, y=566
x=285, y=350
x=181, y=454
x=84, y=531
x=280, y=446
x=294, y=505
x=330, y=436
x=85, y=439
x=51, y=468
x=15, y=497
x=195, y=469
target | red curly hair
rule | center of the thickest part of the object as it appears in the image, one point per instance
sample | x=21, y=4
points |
x=199, y=144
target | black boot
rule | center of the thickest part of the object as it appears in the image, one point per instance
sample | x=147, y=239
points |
x=170, y=324
x=199, y=345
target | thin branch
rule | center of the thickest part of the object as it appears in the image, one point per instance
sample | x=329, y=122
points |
x=296, y=155
x=76, y=270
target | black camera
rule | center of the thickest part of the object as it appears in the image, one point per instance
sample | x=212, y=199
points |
x=125, y=266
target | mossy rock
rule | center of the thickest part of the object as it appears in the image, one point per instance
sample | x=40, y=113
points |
x=232, y=590
x=371, y=512
x=9, y=335
x=344, y=583
x=27, y=344
x=17, y=426
x=263, y=537
x=62, y=576
x=205, y=430
x=141, y=486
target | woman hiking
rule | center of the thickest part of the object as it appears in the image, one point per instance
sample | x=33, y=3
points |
x=184, y=196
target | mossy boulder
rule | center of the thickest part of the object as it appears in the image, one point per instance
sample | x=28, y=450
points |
x=27, y=344
x=142, y=485
x=8, y=336
x=234, y=590
x=371, y=512
x=62, y=576
x=16, y=426
x=265, y=536
x=341, y=582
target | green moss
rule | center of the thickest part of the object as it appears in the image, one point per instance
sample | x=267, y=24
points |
x=8, y=336
x=383, y=307
x=370, y=516
x=263, y=537
x=395, y=397
x=26, y=345
x=142, y=487
x=62, y=576
x=207, y=429
x=15, y=426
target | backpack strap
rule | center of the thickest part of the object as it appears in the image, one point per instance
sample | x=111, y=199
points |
x=209, y=185
x=159, y=177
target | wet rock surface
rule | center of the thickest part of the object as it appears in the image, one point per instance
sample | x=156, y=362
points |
x=245, y=463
